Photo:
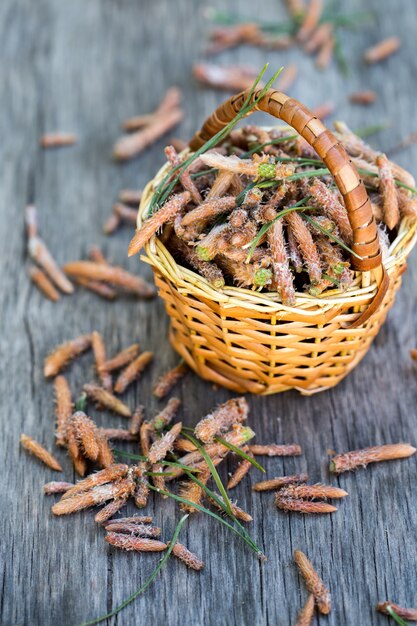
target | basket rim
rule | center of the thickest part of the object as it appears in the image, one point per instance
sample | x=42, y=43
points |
x=363, y=289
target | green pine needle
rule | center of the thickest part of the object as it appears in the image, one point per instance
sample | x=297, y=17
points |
x=81, y=402
x=273, y=142
x=138, y=457
x=331, y=235
x=397, y=182
x=299, y=206
x=340, y=57
x=331, y=279
x=241, y=453
x=149, y=580
x=367, y=131
x=159, y=474
x=309, y=174
x=128, y=455
x=213, y=471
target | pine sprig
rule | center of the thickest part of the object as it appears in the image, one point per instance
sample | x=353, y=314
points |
x=201, y=508
x=189, y=471
x=211, y=494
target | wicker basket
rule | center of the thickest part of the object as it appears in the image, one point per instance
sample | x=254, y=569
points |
x=248, y=341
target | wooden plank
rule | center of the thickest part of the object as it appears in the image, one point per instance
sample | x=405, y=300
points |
x=84, y=67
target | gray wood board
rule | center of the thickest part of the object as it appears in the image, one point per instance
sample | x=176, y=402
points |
x=84, y=67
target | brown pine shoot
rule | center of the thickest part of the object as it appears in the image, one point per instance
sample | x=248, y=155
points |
x=102, y=477
x=306, y=244
x=305, y=616
x=311, y=19
x=240, y=472
x=233, y=78
x=361, y=458
x=42, y=282
x=141, y=494
x=239, y=513
x=105, y=399
x=139, y=544
x=55, y=486
x=191, y=491
x=313, y=582
x=58, y=140
x=133, y=371
x=99, y=350
x=129, y=146
x=171, y=100
x=63, y=408
x=166, y=415
x=164, y=444
x=110, y=274
x=171, y=208
x=40, y=452
x=130, y=196
x=123, y=358
x=276, y=483
x=186, y=556
x=382, y=50
x=317, y=491
x=273, y=449
x=64, y=353
x=87, y=435
x=388, y=190
x=145, y=433
x=234, y=411
x=136, y=421
x=363, y=97
x=303, y=506
x=117, y=434
x=134, y=528
x=167, y=381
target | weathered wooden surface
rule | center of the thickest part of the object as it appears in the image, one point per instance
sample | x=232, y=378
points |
x=83, y=67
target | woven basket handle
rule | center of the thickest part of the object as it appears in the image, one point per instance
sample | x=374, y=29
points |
x=333, y=154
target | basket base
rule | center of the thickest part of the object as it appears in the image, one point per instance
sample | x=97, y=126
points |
x=233, y=381
x=267, y=356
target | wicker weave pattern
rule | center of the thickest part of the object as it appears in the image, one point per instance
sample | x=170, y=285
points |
x=251, y=354
x=247, y=349
x=248, y=341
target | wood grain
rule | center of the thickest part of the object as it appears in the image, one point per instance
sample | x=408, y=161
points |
x=86, y=66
